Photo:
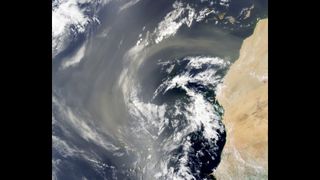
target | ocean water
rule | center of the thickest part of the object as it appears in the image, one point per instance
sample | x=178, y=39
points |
x=134, y=85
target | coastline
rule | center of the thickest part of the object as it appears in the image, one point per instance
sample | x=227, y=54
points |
x=244, y=97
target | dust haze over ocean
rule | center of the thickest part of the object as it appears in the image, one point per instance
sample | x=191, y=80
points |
x=134, y=85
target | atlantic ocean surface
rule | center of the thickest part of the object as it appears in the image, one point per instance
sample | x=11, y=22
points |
x=134, y=85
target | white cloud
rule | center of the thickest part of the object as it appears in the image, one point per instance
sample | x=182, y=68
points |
x=182, y=14
x=62, y=147
x=67, y=14
x=55, y=168
x=74, y=60
x=128, y=4
x=171, y=23
x=200, y=112
x=83, y=127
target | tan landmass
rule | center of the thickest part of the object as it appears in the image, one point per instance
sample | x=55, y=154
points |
x=244, y=97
